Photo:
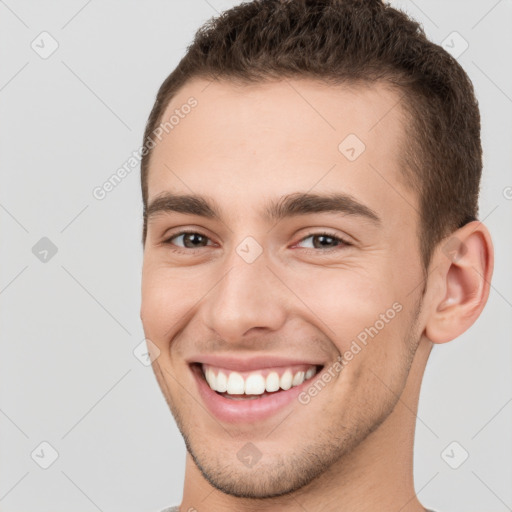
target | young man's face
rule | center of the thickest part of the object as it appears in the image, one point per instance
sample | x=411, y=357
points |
x=260, y=294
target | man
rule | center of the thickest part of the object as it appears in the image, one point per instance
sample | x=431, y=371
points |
x=310, y=186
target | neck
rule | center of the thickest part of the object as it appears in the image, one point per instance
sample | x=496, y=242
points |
x=377, y=475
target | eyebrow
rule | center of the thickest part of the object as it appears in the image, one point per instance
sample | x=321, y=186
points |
x=290, y=205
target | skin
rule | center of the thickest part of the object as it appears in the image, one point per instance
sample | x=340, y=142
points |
x=351, y=447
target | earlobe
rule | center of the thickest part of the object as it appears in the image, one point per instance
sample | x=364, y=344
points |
x=464, y=266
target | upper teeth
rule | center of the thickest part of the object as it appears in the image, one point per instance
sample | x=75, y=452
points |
x=255, y=383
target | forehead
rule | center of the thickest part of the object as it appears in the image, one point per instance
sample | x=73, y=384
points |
x=274, y=138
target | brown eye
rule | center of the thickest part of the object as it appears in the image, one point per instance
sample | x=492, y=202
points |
x=188, y=240
x=322, y=241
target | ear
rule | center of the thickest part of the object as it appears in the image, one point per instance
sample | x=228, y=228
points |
x=463, y=265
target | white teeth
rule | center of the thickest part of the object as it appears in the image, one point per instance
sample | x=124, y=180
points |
x=210, y=378
x=310, y=373
x=286, y=380
x=255, y=384
x=235, y=384
x=222, y=383
x=272, y=382
x=298, y=379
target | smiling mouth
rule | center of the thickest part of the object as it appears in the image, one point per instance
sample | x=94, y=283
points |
x=252, y=385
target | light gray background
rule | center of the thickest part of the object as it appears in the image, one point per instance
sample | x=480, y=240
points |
x=69, y=326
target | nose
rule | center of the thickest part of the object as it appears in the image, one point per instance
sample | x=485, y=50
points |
x=247, y=299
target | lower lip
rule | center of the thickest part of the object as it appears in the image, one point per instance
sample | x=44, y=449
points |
x=247, y=410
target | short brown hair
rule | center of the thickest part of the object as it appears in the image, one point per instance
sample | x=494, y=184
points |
x=353, y=41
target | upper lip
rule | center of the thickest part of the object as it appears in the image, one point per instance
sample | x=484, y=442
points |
x=249, y=363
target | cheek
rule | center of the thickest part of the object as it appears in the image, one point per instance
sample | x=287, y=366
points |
x=167, y=297
x=350, y=304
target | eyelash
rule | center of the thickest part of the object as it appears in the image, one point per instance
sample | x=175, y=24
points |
x=342, y=242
